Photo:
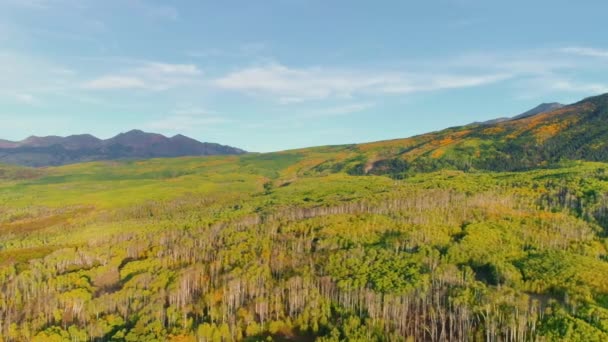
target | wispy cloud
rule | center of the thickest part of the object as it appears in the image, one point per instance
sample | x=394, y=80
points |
x=442, y=82
x=532, y=71
x=148, y=76
x=586, y=51
x=580, y=87
x=170, y=69
x=115, y=82
x=292, y=85
x=543, y=71
x=25, y=98
x=22, y=98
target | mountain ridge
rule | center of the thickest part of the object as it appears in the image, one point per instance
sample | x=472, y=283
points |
x=541, y=108
x=56, y=150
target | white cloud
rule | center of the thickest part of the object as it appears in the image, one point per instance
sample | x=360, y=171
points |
x=586, y=51
x=20, y=97
x=433, y=83
x=62, y=71
x=536, y=70
x=174, y=69
x=292, y=85
x=149, y=76
x=25, y=98
x=588, y=88
x=543, y=71
x=115, y=82
x=449, y=82
x=516, y=63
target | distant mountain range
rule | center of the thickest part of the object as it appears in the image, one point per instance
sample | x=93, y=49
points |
x=55, y=150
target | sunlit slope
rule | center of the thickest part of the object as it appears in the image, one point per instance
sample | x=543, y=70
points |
x=577, y=132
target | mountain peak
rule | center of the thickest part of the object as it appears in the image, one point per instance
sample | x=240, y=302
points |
x=541, y=108
x=136, y=138
x=37, y=141
x=136, y=131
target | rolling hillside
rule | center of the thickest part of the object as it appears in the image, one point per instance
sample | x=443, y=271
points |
x=576, y=132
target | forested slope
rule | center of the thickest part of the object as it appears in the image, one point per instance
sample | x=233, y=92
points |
x=577, y=131
x=417, y=239
x=231, y=249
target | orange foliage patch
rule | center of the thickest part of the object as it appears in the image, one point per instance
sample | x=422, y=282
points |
x=438, y=153
x=434, y=144
x=542, y=124
x=387, y=143
x=493, y=130
x=446, y=141
x=544, y=132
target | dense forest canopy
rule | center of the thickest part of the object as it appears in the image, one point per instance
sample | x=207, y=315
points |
x=485, y=232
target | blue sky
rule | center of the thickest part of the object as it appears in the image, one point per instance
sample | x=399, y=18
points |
x=273, y=75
